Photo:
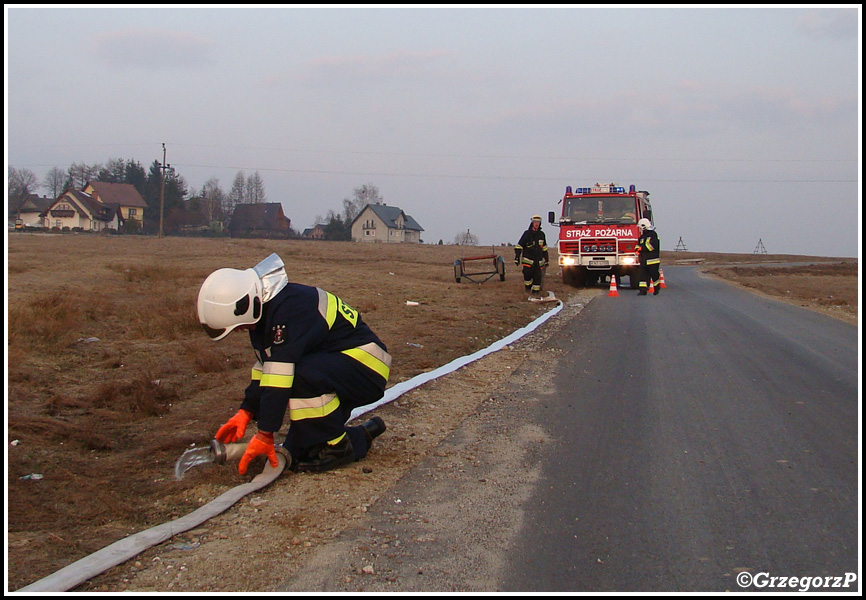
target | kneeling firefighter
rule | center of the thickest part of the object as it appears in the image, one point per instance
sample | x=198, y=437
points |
x=315, y=357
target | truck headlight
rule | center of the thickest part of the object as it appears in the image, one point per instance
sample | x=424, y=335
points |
x=567, y=261
x=627, y=260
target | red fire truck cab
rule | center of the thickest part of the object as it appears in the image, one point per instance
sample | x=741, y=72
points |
x=598, y=231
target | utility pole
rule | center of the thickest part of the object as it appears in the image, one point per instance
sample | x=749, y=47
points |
x=162, y=170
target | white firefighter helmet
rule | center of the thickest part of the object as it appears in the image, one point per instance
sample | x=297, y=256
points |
x=644, y=224
x=227, y=299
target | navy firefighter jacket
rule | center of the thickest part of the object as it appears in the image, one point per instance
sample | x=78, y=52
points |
x=649, y=246
x=533, y=246
x=298, y=321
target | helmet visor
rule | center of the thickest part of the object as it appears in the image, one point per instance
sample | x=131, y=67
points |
x=213, y=333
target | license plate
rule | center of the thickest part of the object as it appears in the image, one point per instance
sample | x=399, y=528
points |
x=598, y=263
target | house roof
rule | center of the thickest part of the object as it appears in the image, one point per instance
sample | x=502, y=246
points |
x=85, y=205
x=390, y=214
x=122, y=194
x=264, y=215
x=34, y=203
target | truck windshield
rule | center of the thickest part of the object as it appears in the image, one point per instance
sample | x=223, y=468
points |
x=600, y=209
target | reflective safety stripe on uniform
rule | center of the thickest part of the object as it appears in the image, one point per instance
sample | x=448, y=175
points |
x=256, y=374
x=330, y=306
x=278, y=375
x=336, y=441
x=373, y=357
x=327, y=307
x=313, y=408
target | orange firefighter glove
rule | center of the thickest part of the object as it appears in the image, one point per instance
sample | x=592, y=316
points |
x=262, y=443
x=235, y=428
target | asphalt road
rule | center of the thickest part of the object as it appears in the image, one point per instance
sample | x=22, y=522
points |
x=705, y=439
x=699, y=434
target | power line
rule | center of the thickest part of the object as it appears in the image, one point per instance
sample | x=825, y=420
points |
x=457, y=155
x=501, y=177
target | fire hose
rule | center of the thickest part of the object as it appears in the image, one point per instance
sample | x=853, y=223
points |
x=80, y=571
x=114, y=554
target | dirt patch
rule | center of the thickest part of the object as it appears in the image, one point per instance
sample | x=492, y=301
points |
x=110, y=379
x=822, y=287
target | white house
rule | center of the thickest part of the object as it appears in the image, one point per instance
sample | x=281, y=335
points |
x=386, y=224
x=99, y=206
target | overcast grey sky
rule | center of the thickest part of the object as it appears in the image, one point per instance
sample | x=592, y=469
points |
x=742, y=123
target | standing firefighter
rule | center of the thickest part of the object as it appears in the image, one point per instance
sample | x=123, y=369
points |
x=316, y=359
x=531, y=253
x=648, y=252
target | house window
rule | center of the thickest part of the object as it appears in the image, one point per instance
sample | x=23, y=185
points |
x=132, y=213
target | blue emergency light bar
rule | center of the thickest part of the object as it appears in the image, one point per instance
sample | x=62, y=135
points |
x=598, y=190
x=603, y=189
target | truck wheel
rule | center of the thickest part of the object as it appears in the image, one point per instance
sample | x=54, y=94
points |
x=573, y=276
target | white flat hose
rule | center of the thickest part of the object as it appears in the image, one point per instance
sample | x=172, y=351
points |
x=90, y=566
x=398, y=390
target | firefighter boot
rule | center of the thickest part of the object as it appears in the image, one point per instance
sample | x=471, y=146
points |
x=373, y=429
x=325, y=457
x=642, y=292
x=656, y=290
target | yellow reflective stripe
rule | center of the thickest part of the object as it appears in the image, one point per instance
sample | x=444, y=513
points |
x=373, y=357
x=336, y=441
x=256, y=374
x=653, y=261
x=327, y=307
x=330, y=305
x=312, y=408
x=278, y=375
x=349, y=313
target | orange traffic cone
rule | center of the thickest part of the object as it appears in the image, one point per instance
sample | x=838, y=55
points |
x=652, y=288
x=613, y=291
x=662, y=282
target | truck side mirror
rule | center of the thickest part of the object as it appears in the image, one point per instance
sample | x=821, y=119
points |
x=551, y=217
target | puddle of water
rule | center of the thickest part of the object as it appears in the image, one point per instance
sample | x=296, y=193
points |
x=190, y=459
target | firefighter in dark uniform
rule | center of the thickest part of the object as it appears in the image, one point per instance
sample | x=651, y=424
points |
x=648, y=252
x=316, y=360
x=531, y=253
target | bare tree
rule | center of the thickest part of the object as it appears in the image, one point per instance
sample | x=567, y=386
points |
x=362, y=196
x=22, y=182
x=466, y=239
x=77, y=175
x=213, y=198
x=255, y=189
x=53, y=181
x=114, y=171
x=238, y=193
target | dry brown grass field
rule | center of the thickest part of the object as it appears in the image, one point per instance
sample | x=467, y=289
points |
x=110, y=379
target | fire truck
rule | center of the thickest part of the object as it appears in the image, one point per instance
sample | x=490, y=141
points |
x=598, y=232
